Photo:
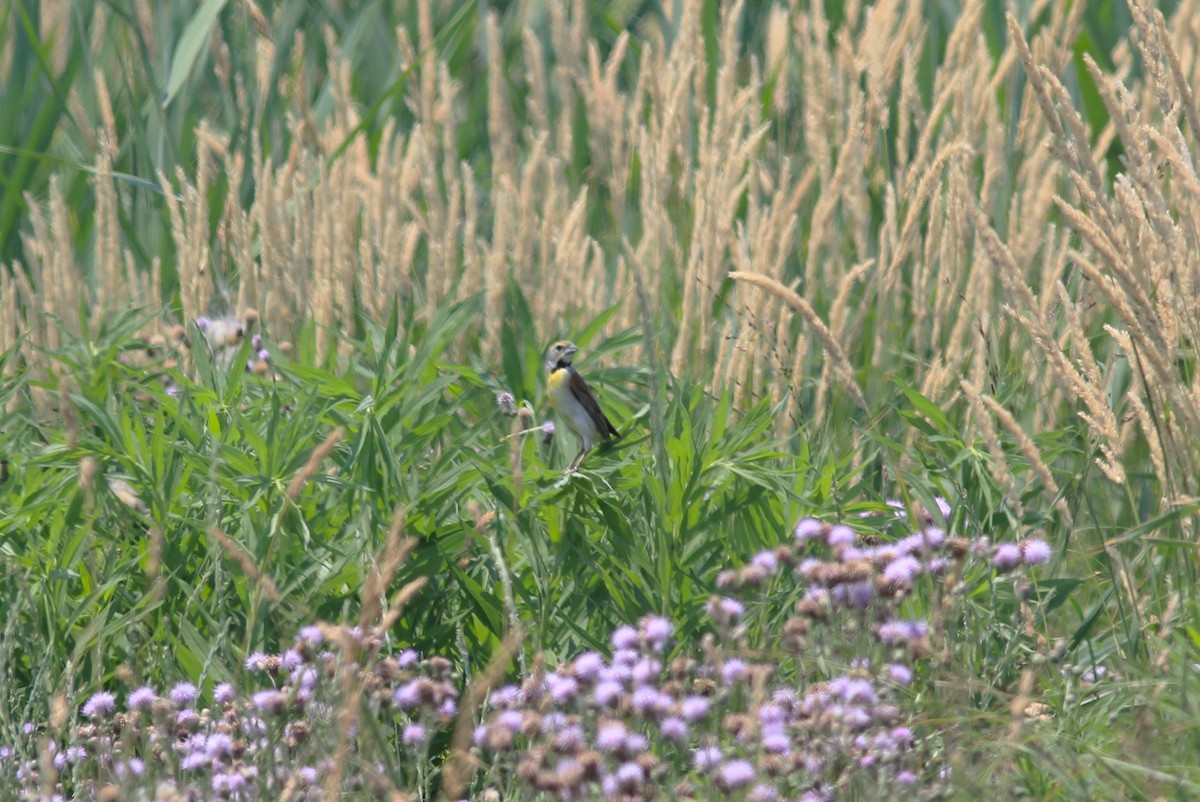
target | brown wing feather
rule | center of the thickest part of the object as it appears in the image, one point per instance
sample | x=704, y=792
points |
x=584, y=396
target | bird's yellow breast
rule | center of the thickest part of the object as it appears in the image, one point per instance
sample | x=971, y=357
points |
x=559, y=385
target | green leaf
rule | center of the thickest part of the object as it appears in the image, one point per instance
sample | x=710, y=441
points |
x=195, y=37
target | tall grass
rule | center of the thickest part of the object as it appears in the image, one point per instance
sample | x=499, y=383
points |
x=817, y=255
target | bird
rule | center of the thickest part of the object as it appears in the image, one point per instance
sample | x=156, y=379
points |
x=574, y=401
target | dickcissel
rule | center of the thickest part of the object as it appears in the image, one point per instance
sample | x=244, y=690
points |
x=574, y=402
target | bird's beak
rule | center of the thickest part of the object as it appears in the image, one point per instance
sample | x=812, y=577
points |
x=570, y=349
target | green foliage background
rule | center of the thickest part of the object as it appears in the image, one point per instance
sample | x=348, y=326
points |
x=695, y=486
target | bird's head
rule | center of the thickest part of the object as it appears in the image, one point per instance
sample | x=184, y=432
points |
x=560, y=354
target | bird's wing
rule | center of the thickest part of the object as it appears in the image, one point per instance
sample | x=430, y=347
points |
x=583, y=394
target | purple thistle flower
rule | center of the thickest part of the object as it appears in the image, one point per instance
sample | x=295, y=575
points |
x=624, y=637
x=1006, y=556
x=141, y=698
x=134, y=767
x=766, y=561
x=561, y=688
x=841, y=535
x=203, y=323
x=656, y=630
x=100, y=705
x=508, y=696
x=311, y=636
x=610, y=735
x=407, y=658
x=647, y=700
x=1035, y=552
x=762, y=793
x=706, y=758
x=694, y=708
x=853, y=690
x=218, y=745
x=228, y=783
x=270, y=701
x=673, y=729
x=507, y=403
x=607, y=693
x=775, y=741
x=934, y=536
x=511, y=720
x=901, y=571
x=723, y=610
x=897, y=631
x=292, y=660
x=645, y=670
x=943, y=507
x=414, y=735
x=630, y=776
x=588, y=666
x=407, y=696
x=735, y=774
x=183, y=693
x=772, y=713
x=636, y=742
x=855, y=595
x=899, y=673
x=808, y=529
x=906, y=778
x=733, y=670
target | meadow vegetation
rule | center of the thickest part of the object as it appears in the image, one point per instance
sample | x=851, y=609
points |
x=894, y=305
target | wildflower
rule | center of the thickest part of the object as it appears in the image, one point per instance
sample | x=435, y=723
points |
x=901, y=571
x=134, y=767
x=507, y=403
x=775, y=741
x=656, y=630
x=673, y=729
x=1035, y=552
x=588, y=665
x=899, y=673
x=766, y=561
x=630, y=777
x=561, y=688
x=733, y=670
x=624, y=637
x=291, y=660
x=142, y=698
x=897, y=631
x=706, y=757
x=218, y=745
x=735, y=774
x=310, y=636
x=610, y=735
x=1006, y=556
x=547, y=431
x=183, y=693
x=408, y=695
x=906, y=778
x=407, y=658
x=100, y=705
x=414, y=735
x=644, y=671
x=694, y=708
x=808, y=529
x=841, y=535
x=762, y=793
x=853, y=689
x=607, y=693
x=270, y=701
x=724, y=610
x=855, y=595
